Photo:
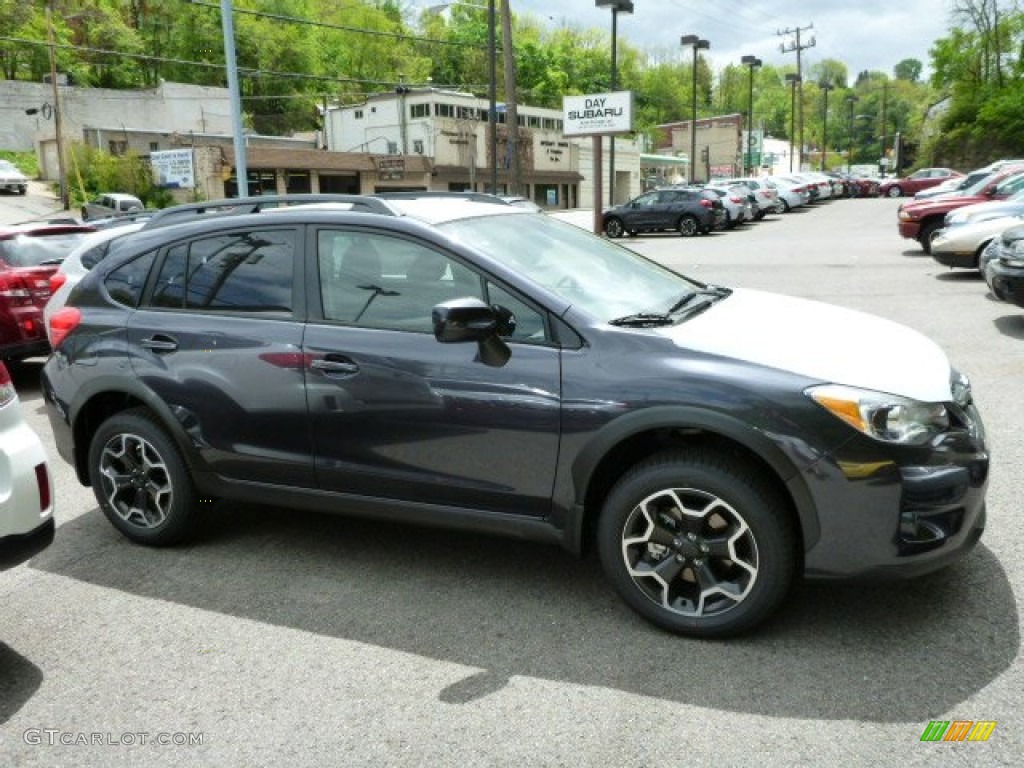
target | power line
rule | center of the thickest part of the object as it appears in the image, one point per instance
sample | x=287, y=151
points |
x=209, y=65
x=341, y=27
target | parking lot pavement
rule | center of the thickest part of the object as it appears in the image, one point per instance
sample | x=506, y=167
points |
x=300, y=639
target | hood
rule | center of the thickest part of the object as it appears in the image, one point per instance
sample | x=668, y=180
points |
x=819, y=341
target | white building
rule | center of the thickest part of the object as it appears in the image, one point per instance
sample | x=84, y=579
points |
x=451, y=130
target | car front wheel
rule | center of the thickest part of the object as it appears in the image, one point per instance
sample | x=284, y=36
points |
x=614, y=228
x=927, y=234
x=141, y=481
x=697, y=544
x=894, y=191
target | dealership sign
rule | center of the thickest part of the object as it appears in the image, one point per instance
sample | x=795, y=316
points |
x=173, y=168
x=598, y=114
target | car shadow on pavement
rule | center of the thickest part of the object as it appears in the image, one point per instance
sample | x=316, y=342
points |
x=897, y=652
x=960, y=276
x=1011, y=325
x=19, y=680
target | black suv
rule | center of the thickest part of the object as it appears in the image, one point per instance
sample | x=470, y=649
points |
x=687, y=210
x=454, y=362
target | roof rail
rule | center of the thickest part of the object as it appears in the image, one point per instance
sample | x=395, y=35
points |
x=236, y=206
x=479, y=197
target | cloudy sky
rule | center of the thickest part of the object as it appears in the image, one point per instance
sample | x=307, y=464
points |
x=865, y=34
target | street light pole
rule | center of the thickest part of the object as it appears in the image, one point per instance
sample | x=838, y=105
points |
x=617, y=7
x=825, y=87
x=850, y=100
x=697, y=44
x=792, y=79
x=752, y=62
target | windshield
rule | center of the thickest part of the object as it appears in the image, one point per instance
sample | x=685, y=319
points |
x=26, y=251
x=603, y=279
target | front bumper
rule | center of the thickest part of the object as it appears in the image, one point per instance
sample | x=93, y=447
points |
x=1007, y=281
x=915, y=511
x=26, y=491
x=909, y=229
x=966, y=258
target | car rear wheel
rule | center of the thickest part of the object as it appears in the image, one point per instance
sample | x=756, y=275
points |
x=697, y=544
x=141, y=481
x=688, y=226
x=613, y=228
x=894, y=191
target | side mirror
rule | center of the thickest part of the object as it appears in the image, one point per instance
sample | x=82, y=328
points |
x=470, y=319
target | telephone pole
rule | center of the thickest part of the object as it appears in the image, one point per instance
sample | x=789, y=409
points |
x=798, y=45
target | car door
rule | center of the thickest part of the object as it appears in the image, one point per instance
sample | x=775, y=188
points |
x=397, y=414
x=644, y=212
x=217, y=339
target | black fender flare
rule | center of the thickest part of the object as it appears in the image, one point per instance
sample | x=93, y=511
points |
x=688, y=417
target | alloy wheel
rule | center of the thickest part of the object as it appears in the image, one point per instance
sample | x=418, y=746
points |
x=136, y=481
x=690, y=552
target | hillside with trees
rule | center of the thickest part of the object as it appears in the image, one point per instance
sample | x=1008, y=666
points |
x=294, y=55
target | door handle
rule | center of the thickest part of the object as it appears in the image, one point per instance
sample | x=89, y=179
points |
x=160, y=343
x=329, y=366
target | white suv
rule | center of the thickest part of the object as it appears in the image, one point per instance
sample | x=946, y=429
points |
x=26, y=486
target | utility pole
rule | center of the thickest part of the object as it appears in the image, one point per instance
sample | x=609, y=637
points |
x=62, y=176
x=798, y=45
x=511, y=110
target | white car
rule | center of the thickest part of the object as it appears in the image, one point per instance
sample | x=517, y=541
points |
x=738, y=207
x=26, y=486
x=960, y=247
x=765, y=195
x=77, y=264
x=11, y=179
x=793, y=193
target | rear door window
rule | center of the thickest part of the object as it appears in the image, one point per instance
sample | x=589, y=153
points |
x=234, y=272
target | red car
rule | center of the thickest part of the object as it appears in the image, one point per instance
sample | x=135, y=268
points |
x=915, y=182
x=921, y=219
x=29, y=254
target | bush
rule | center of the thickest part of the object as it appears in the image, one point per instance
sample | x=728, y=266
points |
x=26, y=162
x=93, y=171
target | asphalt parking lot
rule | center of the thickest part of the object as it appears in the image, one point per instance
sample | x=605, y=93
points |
x=286, y=638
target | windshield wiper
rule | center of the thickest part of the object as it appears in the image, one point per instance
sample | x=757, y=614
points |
x=711, y=293
x=643, y=320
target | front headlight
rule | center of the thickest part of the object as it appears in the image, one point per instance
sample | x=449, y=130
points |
x=1013, y=254
x=885, y=417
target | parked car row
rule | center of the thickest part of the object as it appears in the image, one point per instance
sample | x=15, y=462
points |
x=923, y=219
x=725, y=203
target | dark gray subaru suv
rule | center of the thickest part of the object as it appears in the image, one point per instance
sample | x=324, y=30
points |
x=458, y=363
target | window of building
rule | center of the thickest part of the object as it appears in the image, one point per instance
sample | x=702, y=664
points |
x=417, y=146
x=392, y=147
x=534, y=121
x=358, y=114
x=117, y=147
x=154, y=146
x=238, y=272
x=550, y=124
x=419, y=110
x=444, y=110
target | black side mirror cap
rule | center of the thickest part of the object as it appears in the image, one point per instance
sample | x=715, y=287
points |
x=470, y=319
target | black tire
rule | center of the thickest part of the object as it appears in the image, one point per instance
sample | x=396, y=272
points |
x=729, y=222
x=927, y=234
x=22, y=190
x=153, y=500
x=895, y=191
x=613, y=228
x=786, y=207
x=688, y=225
x=736, y=535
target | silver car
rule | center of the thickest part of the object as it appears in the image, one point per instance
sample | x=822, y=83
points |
x=11, y=179
x=111, y=204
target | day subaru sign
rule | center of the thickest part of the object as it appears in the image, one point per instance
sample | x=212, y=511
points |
x=598, y=114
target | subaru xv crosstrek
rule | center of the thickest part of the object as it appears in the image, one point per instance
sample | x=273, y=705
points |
x=458, y=363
